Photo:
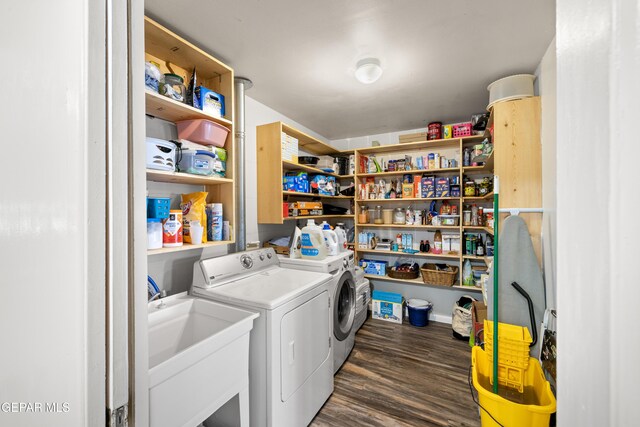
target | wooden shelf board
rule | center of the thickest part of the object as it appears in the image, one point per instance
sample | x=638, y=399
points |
x=168, y=109
x=297, y=193
x=486, y=259
x=486, y=168
x=287, y=165
x=345, y=176
x=485, y=197
x=405, y=254
x=477, y=228
x=408, y=199
x=424, y=227
x=411, y=172
x=412, y=146
x=419, y=282
x=162, y=43
x=308, y=143
x=185, y=178
x=317, y=217
x=187, y=247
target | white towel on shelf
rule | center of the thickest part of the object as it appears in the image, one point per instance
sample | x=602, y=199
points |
x=518, y=263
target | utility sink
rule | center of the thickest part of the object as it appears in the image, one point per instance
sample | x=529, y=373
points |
x=198, y=358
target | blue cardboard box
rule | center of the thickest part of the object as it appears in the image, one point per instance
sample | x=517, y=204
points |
x=209, y=101
x=370, y=266
x=387, y=306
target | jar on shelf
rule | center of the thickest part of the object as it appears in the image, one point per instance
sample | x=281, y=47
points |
x=377, y=218
x=173, y=87
x=469, y=188
x=387, y=216
x=466, y=216
x=363, y=216
x=485, y=187
x=399, y=217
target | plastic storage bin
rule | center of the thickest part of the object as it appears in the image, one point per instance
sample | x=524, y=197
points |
x=531, y=409
x=461, y=129
x=161, y=154
x=198, y=162
x=419, y=311
x=158, y=207
x=154, y=233
x=202, y=131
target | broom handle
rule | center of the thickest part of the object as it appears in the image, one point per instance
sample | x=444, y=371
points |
x=496, y=220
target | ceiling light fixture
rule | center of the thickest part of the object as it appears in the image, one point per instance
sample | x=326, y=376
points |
x=368, y=70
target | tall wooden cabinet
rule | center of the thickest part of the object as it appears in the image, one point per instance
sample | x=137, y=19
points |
x=176, y=55
x=518, y=160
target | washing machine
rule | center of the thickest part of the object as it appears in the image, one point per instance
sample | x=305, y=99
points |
x=290, y=357
x=342, y=290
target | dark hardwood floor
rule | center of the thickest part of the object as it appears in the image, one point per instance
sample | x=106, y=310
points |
x=399, y=375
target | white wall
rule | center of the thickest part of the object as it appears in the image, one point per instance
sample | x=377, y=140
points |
x=173, y=272
x=52, y=225
x=365, y=141
x=547, y=85
x=598, y=63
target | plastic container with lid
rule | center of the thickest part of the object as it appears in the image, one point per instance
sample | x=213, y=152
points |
x=419, y=311
x=154, y=233
x=199, y=162
x=377, y=219
x=387, y=216
x=173, y=87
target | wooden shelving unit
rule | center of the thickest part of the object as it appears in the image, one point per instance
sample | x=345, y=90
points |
x=272, y=167
x=419, y=282
x=175, y=54
x=450, y=148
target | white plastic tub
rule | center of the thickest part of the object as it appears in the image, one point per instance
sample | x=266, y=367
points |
x=202, y=131
x=198, y=162
x=512, y=87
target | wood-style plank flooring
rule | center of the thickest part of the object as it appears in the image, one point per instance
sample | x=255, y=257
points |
x=399, y=375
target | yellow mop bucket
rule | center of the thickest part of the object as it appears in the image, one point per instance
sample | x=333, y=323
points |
x=510, y=408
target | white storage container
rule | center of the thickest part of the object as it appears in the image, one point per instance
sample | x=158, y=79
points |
x=512, y=87
x=161, y=154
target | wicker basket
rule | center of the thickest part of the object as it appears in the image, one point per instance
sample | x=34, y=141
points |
x=405, y=275
x=431, y=276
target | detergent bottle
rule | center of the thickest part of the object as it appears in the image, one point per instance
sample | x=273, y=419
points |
x=342, y=237
x=330, y=239
x=312, y=242
x=295, y=244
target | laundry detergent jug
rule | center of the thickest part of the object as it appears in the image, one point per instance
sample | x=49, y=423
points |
x=295, y=244
x=330, y=239
x=342, y=237
x=312, y=242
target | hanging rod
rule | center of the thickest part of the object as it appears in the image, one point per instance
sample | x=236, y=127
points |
x=516, y=211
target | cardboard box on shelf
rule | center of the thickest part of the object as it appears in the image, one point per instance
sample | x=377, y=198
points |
x=289, y=148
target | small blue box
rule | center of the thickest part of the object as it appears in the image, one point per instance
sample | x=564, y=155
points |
x=209, y=101
x=158, y=207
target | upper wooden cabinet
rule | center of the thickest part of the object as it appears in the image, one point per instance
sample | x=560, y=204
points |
x=518, y=160
x=271, y=168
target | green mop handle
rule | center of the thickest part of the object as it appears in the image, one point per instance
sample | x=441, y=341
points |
x=496, y=220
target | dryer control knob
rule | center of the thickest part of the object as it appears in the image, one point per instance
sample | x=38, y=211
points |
x=269, y=255
x=345, y=263
x=246, y=261
x=261, y=257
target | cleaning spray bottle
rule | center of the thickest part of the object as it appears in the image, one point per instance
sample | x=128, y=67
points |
x=295, y=243
x=312, y=242
x=330, y=238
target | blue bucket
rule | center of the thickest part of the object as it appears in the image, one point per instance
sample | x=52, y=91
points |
x=419, y=311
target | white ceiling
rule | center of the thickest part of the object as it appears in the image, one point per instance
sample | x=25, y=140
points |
x=438, y=55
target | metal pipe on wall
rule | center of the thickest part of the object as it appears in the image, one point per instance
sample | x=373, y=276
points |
x=241, y=85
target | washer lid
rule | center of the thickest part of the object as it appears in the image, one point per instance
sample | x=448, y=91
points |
x=267, y=289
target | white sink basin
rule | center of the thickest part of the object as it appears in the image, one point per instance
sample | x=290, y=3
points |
x=198, y=358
